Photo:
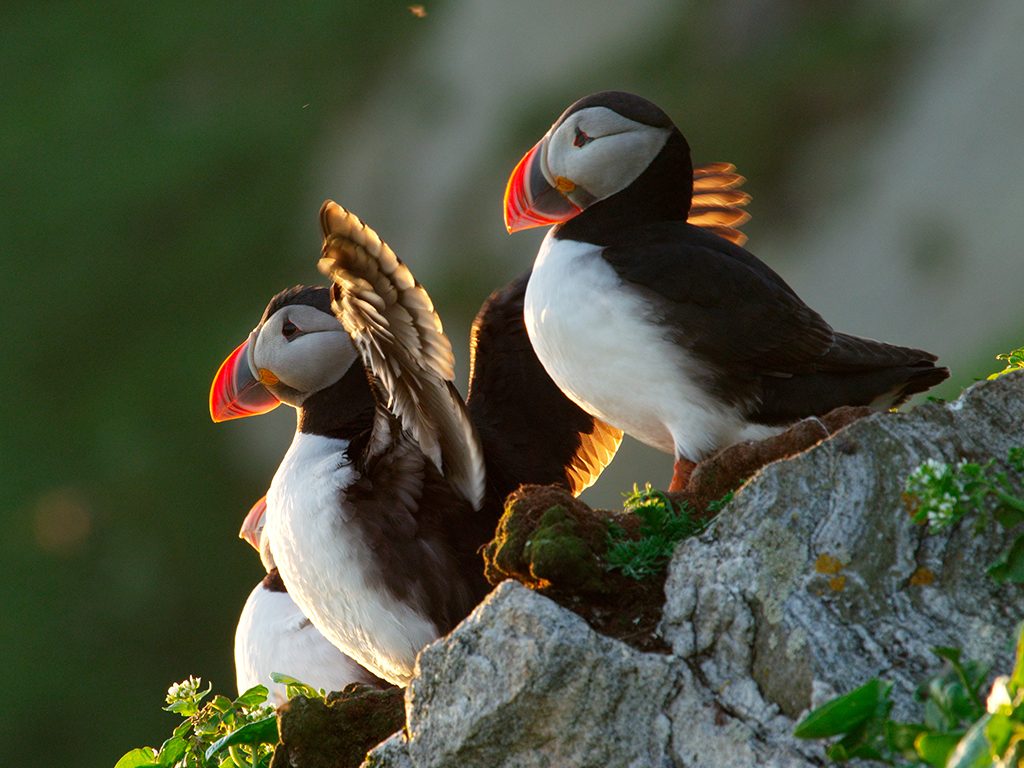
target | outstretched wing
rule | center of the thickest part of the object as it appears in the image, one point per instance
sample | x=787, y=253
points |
x=398, y=334
x=717, y=201
x=532, y=433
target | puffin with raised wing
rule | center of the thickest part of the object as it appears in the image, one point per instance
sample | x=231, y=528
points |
x=374, y=532
x=662, y=328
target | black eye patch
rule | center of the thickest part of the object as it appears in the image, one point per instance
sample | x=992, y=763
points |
x=290, y=330
x=581, y=138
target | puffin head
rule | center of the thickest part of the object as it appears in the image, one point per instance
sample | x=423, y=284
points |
x=298, y=349
x=599, y=147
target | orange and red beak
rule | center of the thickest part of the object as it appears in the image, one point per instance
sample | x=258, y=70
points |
x=237, y=391
x=531, y=200
x=253, y=524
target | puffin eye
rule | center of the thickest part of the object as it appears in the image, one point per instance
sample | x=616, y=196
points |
x=290, y=330
x=581, y=138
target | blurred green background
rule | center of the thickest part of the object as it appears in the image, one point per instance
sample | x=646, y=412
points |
x=162, y=168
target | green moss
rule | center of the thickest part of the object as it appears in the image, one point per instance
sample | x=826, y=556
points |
x=545, y=538
x=558, y=554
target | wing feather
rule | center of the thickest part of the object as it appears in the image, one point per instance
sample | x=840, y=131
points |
x=398, y=334
x=717, y=203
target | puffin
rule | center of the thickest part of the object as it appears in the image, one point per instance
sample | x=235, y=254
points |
x=392, y=483
x=373, y=531
x=660, y=327
x=273, y=635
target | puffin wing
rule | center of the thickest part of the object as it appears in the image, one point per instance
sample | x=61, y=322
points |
x=531, y=432
x=719, y=301
x=718, y=203
x=398, y=334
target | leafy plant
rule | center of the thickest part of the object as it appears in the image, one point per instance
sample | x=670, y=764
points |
x=958, y=729
x=940, y=494
x=1014, y=362
x=663, y=524
x=293, y=687
x=222, y=733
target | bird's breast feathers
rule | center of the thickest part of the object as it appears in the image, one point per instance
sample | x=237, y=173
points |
x=600, y=341
x=331, y=572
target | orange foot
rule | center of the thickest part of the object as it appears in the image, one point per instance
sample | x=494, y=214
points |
x=681, y=472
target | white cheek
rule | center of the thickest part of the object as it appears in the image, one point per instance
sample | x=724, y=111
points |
x=309, y=363
x=610, y=164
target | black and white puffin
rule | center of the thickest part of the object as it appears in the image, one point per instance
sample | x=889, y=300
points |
x=273, y=635
x=372, y=514
x=659, y=327
x=387, y=482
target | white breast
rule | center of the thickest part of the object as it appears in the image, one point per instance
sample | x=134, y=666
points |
x=329, y=570
x=274, y=636
x=594, y=337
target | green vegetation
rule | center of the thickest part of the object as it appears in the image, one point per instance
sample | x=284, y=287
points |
x=222, y=733
x=1014, y=362
x=663, y=525
x=958, y=728
x=940, y=494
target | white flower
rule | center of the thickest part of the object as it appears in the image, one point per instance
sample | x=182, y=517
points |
x=186, y=689
x=999, y=697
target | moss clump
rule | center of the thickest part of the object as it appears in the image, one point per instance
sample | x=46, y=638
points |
x=338, y=732
x=546, y=538
x=557, y=545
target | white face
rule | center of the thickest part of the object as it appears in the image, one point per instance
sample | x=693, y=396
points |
x=600, y=152
x=304, y=349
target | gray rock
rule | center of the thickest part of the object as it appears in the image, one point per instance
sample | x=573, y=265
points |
x=523, y=682
x=813, y=580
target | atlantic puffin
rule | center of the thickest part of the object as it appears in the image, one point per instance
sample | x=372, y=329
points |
x=273, y=635
x=303, y=352
x=659, y=327
x=372, y=513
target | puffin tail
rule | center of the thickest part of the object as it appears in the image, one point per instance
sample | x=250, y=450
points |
x=917, y=379
x=856, y=371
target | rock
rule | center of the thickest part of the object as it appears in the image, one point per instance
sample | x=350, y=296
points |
x=816, y=579
x=336, y=733
x=524, y=682
x=811, y=581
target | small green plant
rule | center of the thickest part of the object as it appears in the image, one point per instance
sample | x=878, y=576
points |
x=940, y=494
x=222, y=733
x=663, y=524
x=958, y=728
x=1014, y=362
x=293, y=687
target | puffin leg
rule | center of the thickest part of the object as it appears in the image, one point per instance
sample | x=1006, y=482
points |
x=681, y=471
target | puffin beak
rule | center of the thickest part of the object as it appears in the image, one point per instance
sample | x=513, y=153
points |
x=236, y=392
x=531, y=200
x=250, y=530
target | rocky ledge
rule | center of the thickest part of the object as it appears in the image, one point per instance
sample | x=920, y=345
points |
x=811, y=581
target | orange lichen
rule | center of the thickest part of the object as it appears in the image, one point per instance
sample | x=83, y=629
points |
x=922, y=577
x=837, y=583
x=828, y=564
